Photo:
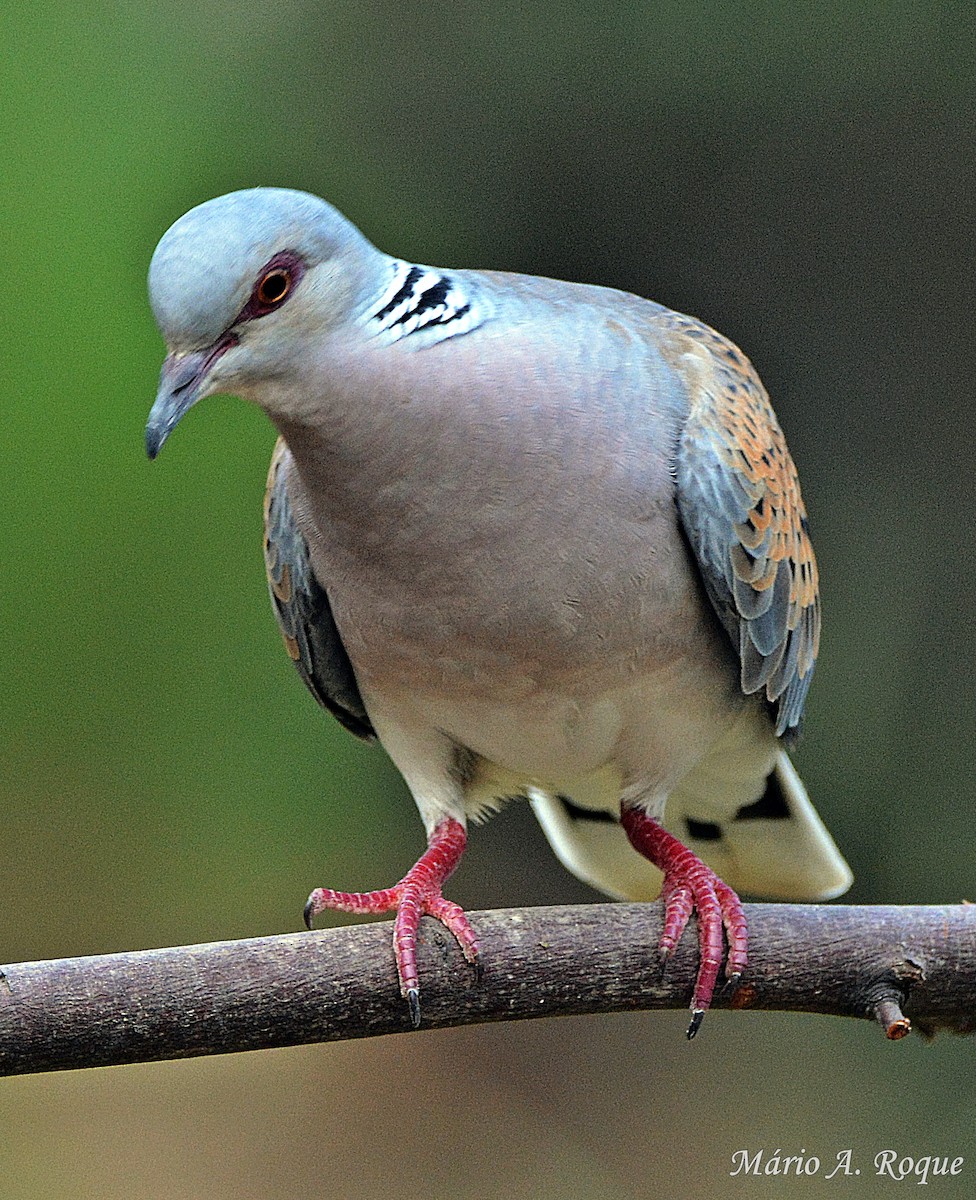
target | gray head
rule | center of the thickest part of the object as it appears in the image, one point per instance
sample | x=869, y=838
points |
x=238, y=284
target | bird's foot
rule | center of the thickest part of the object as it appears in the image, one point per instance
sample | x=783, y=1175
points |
x=417, y=894
x=689, y=886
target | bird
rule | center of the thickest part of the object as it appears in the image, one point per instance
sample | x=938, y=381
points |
x=542, y=540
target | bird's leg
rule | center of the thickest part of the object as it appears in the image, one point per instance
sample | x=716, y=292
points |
x=691, y=886
x=417, y=894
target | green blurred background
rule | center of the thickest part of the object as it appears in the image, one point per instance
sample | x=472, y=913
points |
x=802, y=177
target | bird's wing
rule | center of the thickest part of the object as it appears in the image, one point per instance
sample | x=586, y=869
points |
x=302, y=607
x=740, y=505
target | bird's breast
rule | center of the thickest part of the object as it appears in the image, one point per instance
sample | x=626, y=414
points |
x=494, y=521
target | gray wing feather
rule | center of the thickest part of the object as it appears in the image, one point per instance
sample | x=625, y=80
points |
x=742, y=512
x=302, y=609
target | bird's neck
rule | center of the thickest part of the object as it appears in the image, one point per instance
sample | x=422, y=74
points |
x=365, y=471
x=374, y=415
x=422, y=304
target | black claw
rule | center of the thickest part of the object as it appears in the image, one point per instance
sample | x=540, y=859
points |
x=308, y=913
x=697, y=1016
x=413, y=1001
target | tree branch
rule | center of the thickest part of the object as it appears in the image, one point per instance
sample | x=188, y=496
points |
x=876, y=962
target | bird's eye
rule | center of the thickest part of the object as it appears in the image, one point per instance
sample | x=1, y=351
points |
x=273, y=287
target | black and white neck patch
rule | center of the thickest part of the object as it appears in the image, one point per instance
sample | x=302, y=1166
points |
x=422, y=299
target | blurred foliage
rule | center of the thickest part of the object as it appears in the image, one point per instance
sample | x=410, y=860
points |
x=802, y=176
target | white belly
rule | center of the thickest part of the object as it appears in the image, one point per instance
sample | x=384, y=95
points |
x=588, y=738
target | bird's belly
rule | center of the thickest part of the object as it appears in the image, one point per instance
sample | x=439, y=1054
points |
x=586, y=737
x=547, y=667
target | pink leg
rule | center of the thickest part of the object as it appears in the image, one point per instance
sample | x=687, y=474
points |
x=689, y=886
x=417, y=894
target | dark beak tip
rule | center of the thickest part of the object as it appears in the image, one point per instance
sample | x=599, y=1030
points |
x=182, y=380
x=155, y=440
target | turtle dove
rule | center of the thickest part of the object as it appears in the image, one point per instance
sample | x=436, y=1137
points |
x=541, y=539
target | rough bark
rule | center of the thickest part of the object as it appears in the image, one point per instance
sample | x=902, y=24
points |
x=895, y=965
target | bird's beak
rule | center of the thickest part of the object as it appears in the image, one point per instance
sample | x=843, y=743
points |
x=182, y=383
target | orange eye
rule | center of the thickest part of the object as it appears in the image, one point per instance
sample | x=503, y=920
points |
x=274, y=287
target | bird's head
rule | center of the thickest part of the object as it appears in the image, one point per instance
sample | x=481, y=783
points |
x=240, y=284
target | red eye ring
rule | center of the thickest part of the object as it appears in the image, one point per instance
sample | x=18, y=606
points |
x=274, y=287
x=275, y=283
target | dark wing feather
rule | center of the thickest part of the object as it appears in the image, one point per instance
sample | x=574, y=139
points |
x=741, y=508
x=302, y=608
